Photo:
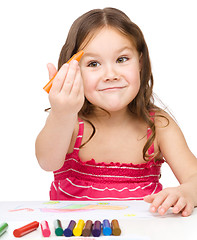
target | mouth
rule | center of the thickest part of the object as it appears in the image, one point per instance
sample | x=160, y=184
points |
x=111, y=89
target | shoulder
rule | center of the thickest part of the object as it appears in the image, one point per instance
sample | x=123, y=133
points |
x=165, y=122
x=162, y=119
x=167, y=127
x=82, y=127
x=170, y=138
x=74, y=137
x=173, y=146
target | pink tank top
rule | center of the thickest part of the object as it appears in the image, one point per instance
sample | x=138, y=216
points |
x=78, y=180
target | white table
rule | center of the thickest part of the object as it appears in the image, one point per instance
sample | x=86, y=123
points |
x=136, y=222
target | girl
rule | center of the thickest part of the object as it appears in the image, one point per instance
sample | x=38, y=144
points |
x=104, y=138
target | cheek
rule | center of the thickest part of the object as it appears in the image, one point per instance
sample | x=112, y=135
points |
x=90, y=80
x=89, y=85
x=88, y=88
x=133, y=77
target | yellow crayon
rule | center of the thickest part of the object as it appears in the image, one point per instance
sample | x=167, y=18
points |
x=77, y=231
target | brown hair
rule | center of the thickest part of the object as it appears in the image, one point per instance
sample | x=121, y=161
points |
x=84, y=27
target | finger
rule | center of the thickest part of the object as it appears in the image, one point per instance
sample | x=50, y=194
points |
x=77, y=84
x=149, y=198
x=167, y=203
x=184, y=206
x=52, y=70
x=158, y=200
x=59, y=79
x=81, y=94
x=70, y=78
x=187, y=210
x=179, y=206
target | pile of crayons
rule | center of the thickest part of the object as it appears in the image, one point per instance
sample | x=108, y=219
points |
x=80, y=228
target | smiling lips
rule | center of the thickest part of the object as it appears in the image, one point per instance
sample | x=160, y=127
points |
x=111, y=88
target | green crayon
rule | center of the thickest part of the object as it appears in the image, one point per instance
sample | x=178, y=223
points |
x=58, y=228
x=3, y=228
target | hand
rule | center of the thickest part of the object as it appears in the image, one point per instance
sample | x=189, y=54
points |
x=66, y=95
x=177, y=197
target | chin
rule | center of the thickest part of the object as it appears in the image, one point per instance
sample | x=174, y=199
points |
x=114, y=108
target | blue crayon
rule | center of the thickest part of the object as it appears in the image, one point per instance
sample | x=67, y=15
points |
x=106, y=228
x=96, y=229
x=68, y=232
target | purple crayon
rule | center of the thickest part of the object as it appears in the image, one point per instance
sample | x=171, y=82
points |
x=68, y=232
x=96, y=229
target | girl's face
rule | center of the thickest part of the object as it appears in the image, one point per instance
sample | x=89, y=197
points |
x=110, y=69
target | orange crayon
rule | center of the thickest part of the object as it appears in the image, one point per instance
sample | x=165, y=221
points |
x=76, y=56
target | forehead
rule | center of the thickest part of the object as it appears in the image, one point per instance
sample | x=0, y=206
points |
x=107, y=36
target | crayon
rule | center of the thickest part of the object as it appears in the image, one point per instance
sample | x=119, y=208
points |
x=26, y=229
x=58, y=228
x=45, y=229
x=115, y=227
x=106, y=228
x=96, y=229
x=3, y=228
x=68, y=232
x=76, y=56
x=77, y=231
x=87, y=229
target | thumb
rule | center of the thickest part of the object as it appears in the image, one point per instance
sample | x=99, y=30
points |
x=52, y=70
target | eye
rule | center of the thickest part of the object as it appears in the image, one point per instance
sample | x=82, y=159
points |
x=122, y=59
x=93, y=64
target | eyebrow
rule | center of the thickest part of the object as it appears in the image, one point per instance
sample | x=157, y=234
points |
x=125, y=48
x=92, y=54
x=89, y=54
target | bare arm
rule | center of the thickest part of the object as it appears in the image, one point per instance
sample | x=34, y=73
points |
x=66, y=97
x=184, y=166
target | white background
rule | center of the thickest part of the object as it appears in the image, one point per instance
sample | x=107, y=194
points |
x=32, y=34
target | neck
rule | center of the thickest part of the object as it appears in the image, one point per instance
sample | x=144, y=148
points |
x=111, y=119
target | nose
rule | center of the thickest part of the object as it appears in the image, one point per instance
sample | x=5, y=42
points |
x=110, y=73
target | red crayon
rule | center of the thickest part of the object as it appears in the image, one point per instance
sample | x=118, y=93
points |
x=26, y=229
x=45, y=229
